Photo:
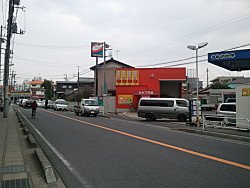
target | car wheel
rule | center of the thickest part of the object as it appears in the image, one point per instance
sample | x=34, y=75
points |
x=182, y=118
x=150, y=117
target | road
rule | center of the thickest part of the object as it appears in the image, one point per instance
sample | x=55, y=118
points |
x=108, y=152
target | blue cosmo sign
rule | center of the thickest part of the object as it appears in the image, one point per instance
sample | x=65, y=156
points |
x=231, y=60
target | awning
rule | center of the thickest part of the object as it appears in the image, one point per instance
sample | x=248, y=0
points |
x=237, y=60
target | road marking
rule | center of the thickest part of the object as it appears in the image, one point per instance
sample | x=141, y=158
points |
x=60, y=156
x=247, y=167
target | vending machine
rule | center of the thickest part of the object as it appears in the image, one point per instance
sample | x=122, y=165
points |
x=193, y=111
x=243, y=106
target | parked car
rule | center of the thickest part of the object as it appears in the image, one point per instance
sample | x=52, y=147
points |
x=51, y=104
x=227, y=110
x=39, y=103
x=230, y=100
x=87, y=107
x=156, y=108
x=27, y=103
x=20, y=102
x=60, y=104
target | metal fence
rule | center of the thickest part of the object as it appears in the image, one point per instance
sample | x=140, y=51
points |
x=225, y=122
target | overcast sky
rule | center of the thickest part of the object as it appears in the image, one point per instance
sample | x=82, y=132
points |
x=142, y=32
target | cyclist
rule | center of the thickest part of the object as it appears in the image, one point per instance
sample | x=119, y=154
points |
x=33, y=107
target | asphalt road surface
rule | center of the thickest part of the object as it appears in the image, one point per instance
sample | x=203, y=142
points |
x=108, y=152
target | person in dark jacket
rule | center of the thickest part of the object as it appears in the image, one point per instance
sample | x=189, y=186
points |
x=46, y=103
x=33, y=107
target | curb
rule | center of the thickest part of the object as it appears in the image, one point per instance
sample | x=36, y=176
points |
x=215, y=134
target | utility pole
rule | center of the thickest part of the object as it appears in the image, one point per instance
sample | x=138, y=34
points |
x=96, y=77
x=207, y=77
x=78, y=83
x=51, y=89
x=11, y=81
x=6, y=60
x=1, y=41
x=117, y=52
x=66, y=77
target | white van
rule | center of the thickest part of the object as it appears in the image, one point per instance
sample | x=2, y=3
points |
x=87, y=107
x=157, y=108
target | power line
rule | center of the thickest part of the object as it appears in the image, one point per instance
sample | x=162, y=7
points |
x=185, y=37
x=45, y=62
x=171, y=61
x=51, y=46
x=175, y=61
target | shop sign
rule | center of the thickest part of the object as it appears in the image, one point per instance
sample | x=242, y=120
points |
x=96, y=49
x=146, y=92
x=125, y=99
x=245, y=92
x=127, y=77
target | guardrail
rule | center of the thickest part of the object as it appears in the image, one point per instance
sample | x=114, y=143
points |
x=225, y=122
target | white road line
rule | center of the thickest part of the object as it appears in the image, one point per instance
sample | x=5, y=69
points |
x=83, y=181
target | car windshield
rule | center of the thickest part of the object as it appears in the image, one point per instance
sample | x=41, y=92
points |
x=181, y=103
x=91, y=103
x=61, y=102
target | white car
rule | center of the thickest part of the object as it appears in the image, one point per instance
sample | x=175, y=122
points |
x=39, y=103
x=61, y=104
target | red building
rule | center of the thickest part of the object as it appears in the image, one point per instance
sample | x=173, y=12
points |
x=134, y=83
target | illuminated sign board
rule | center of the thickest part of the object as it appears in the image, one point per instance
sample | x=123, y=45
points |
x=96, y=49
x=231, y=60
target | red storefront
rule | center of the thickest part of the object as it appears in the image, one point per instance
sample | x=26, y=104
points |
x=134, y=83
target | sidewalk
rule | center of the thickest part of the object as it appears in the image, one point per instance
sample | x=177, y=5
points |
x=18, y=165
x=181, y=126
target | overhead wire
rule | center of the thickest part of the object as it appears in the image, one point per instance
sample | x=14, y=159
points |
x=175, y=61
x=197, y=33
x=53, y=47
x=45, y=62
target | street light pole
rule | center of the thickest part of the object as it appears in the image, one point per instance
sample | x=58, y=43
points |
x=191, y=47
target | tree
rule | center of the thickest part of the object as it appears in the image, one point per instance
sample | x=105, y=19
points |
x=84, y=92
x=219, y=85
x=47, y=85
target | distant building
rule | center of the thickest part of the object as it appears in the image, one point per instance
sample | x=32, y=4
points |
x=191, y=84
x=25, y=86
x=66, y=87
x=37, y=91
x=109, y=72
x=231, y=80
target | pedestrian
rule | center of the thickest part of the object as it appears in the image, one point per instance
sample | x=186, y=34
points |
x=33, y=107
x=1, y=106
x=46, y=103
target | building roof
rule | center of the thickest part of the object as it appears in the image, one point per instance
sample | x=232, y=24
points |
x=36, y=82
x=228, y=78
x=114, y=61
x=81, y=80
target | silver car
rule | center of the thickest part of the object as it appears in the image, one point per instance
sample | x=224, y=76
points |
x=156, y=108
x=227, y=110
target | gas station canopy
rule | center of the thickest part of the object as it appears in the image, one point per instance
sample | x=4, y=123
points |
x=237, y=60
